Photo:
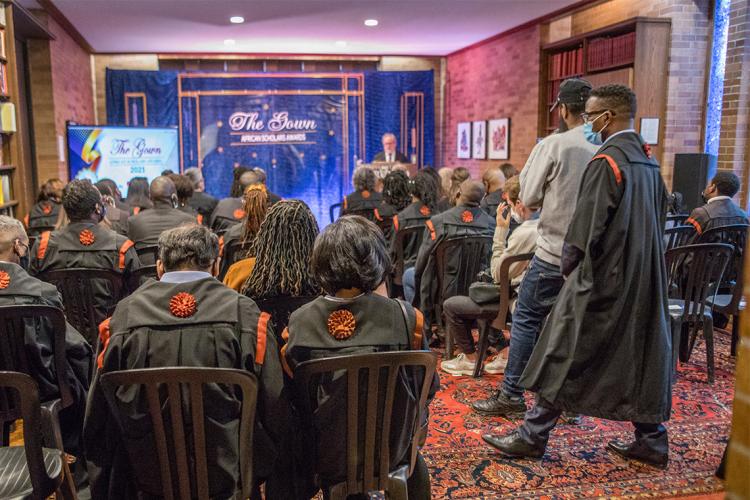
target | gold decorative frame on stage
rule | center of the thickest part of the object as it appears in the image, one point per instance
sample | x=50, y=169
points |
x=418, y=98
x=135, y=95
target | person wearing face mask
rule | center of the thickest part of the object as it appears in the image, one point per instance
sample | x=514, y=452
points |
x=144, y=228
x=606, y=348
x=719, y=209
x=549, y=182
x=85, y=243
x=461, y=312
x=17, y=287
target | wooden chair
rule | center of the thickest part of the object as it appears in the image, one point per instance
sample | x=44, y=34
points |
x=82, y=308
x=502, y=314
x=332, y=210
x=677, y=236
x=694, y=274
x=175, y=400
x=371, y=426
x=729, y=299
x=148, y=256
x=30, y=471
x=474, y=255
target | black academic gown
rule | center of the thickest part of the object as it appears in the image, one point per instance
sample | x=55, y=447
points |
x=491, y=202
x=414, y=215
x=43, y=216
x=606, y=349
x=226, y=330
x=718, y=213
x=23, y=289
x=204, y=204
x=362, y=203
x=145, y=227
x=458, y=221
x=381, y=325
x=227, y=213
x=88, y=245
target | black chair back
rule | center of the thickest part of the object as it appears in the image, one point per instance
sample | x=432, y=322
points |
x=232, y=253
x=19, y=397
x=280, y=308
x=408, y=237
x=502, y=314
x=84, y=307
x=14, y=322
x=332, y=211
x=694, y=273
x=677, y=236
x=385, y=223
x=175, y=402
x=676, y=219
x=371, y=395
x=735, y=235
x=148, y=256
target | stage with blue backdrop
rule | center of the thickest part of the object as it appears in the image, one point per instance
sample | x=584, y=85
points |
x=307, y=130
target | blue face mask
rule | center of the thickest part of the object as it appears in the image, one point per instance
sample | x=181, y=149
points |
x=591, y=136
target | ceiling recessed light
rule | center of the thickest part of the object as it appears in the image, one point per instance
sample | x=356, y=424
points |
x=341, y=43
x=229, y=42
x=371, y=22
x=236, y=19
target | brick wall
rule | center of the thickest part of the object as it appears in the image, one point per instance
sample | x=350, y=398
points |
x=499, y=79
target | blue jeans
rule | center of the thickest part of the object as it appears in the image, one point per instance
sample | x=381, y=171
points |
x=536, y=296
x=407, y=281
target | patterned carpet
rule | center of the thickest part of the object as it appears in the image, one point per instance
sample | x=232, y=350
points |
x=576, y=464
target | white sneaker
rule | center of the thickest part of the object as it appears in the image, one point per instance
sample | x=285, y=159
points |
x=460, y=365
x=497, y=365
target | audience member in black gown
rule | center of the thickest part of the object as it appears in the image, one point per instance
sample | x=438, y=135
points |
x=458, y=176
x=189, y=319
x=138, y=195
x=201, y=201
x=442, y=203
x=262, y=178
x=350, y=261
x=493, y=180
x=364, y=200
x=109, y=187
x=115, y=217
x=229, y=211
x=396, y=197
x=255, y=206
x=280, y=280
x=17, y=288
x=719, y=209
x=184, y=193
x=47, y=212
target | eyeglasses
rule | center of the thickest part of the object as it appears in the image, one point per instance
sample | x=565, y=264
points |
x=593, y=115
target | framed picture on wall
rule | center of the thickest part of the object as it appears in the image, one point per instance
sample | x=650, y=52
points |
x=499, y=139
x=463, y=140
x=479, y=140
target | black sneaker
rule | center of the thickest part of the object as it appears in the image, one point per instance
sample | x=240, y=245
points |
x=500, y=405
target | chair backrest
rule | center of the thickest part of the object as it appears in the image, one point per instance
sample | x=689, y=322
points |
x=473, y=253
x=174, y=396
x=505, y=285
x=332, y=211
x=148, y=254
x=677, y=236
x=403, y=238
x=370, y=378
x=280, y=308
x=83, y=308
x=694, y=273
x=231, y=253
x=676, y=219
x=735, y=235
x=14, y=355
x=19, y=392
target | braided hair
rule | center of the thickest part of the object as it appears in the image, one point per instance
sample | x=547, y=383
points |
x=396, y=190
x=426, y=188
x=283, y=249
x=255, y=201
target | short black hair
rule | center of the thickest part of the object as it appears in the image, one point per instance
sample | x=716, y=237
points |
x=509, y=170
x=80, y=199
x=726, y=183
x=350, y=253
x=183, y=185
x=618, y=98
x=396, y=190
x=106, y=187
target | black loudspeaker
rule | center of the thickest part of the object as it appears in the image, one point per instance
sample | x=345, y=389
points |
x=691, y=174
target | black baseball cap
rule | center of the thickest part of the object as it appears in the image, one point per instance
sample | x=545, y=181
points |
x=571, y=91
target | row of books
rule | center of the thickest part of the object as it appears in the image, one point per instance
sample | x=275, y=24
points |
x=3, y=79
x=565, y=64
x=611, y=51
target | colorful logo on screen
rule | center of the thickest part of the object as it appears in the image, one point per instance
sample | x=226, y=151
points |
x=87, y=142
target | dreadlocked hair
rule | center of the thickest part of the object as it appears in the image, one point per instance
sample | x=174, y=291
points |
x=426, y=188
x=396, y=190
x=283, y=249
x=255, y=201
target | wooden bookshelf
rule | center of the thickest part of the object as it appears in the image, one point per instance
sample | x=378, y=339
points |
x=634, y=53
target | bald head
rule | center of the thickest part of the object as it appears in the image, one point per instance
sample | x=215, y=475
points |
x=162, y=191
x=249, y=177
x=11, y=231
x=470, y=193
x=493, y=179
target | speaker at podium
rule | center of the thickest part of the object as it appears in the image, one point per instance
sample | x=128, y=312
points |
x=692, y=172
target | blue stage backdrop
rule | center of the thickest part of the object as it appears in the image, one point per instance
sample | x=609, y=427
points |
x=304, y=129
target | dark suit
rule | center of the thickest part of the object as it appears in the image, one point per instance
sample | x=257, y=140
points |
x=399, y=157
x=204, y=204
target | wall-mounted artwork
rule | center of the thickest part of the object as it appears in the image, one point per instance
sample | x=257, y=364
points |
x=499, y=139
x=479, y=140
x=463, y=140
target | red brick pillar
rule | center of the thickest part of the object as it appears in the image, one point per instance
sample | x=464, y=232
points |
x=735, y=118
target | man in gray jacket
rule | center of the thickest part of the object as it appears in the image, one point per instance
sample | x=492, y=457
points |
x=549, y=182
